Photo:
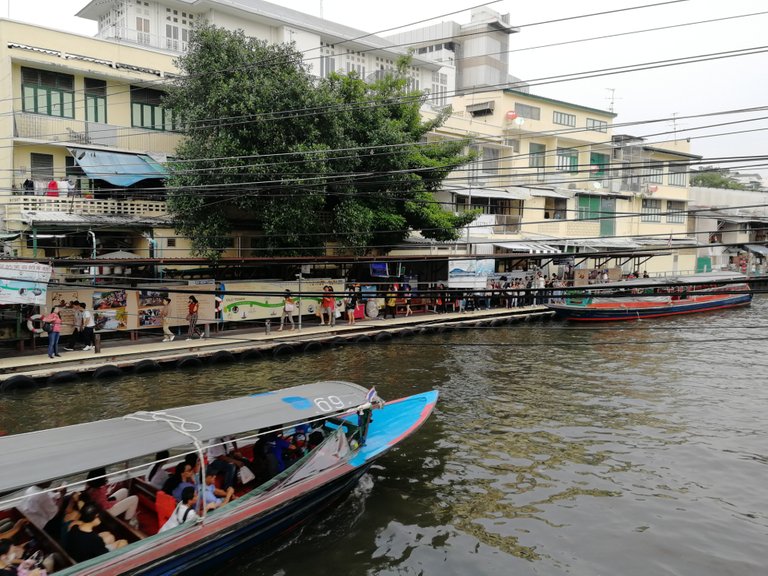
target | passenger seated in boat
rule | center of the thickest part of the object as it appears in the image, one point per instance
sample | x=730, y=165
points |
x=214, y=497
x=116, y=503
x=184, y=511
x=83, y=542
x=43, y=507
x=174, y=479
x=10, y=557
x=223, y=456
x=157, y=474
x=186, y=479
x=11, y=532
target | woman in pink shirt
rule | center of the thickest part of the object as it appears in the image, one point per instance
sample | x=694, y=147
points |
x=53, y=336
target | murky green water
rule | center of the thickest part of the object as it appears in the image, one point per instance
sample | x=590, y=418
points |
x=637, y=449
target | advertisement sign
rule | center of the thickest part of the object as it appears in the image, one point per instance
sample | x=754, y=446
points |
x=23, y=282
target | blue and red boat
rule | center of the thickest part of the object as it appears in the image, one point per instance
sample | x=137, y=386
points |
x=653, y=298
x=358, y=427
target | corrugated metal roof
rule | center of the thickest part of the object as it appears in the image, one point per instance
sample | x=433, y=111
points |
x=69, y=219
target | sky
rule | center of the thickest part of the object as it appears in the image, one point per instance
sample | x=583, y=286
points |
x=671, y=92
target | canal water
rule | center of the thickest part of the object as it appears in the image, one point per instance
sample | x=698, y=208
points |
x=634, y=449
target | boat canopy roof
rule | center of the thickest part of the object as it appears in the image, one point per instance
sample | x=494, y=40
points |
x=36, y=457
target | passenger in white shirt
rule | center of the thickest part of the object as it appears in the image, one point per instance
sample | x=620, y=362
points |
x=185, y=510
x=40, y=506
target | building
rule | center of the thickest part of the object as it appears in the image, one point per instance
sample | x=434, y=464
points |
x=87, y=111
x=550, y=178
x=475, y=55
x=86, y=138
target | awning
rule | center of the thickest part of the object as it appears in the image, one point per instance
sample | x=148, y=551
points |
x=548, y=193
x=528, y=247
x=117, y=168
x=504, y=194
x=757, y=249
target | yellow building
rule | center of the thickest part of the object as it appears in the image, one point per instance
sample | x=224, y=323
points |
x=85, y=142
x=550, y=177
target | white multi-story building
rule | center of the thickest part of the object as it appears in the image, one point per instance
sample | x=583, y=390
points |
x=327, y=46
x=474, y=56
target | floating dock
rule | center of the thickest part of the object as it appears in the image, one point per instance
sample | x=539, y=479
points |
x=119, y=357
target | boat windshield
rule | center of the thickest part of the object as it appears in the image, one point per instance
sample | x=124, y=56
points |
x=330, y=453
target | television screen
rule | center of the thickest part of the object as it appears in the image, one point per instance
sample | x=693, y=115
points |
x=379, y=270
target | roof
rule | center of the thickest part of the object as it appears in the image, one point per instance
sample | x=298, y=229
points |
x=35, y=457
x=38, y=217
x=512, y=92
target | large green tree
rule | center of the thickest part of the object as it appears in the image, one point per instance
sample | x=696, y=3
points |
x=300, y=162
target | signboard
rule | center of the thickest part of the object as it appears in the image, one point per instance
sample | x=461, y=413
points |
x=24, y=282
x=264, y=300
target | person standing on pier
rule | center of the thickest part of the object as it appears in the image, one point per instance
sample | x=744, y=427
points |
x=289, y=305
x=89, y=325
x=193, y=308
x=165, y=315
x=390, y=303
x=54, y=333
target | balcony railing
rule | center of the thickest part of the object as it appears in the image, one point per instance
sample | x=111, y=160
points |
x=496, y=224
x=79, y=132
x=16, y=205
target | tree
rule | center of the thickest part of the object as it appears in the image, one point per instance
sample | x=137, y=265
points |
x=300, y=162
x=715, y=179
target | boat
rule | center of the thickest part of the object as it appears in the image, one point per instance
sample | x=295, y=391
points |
x=358, y=428
x=653, y=298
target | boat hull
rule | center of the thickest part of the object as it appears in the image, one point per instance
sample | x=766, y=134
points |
x=637, y=311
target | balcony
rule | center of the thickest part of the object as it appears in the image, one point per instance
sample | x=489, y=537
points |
x=15, y=206
x=73, y=132
x=496, y=224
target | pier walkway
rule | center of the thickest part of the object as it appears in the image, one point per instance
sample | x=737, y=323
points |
x=118, y=356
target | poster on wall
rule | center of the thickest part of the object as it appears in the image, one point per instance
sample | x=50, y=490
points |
x=264, y=300
x=109, y=309
x=150, y=308
x=24, y=283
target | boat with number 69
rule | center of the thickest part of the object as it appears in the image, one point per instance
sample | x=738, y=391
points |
x=653, y=297
x=351, y=426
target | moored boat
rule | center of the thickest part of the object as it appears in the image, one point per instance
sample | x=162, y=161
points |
x=357, y=427
x=653, y=298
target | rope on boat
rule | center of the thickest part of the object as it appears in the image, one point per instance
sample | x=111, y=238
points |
x=185, y=428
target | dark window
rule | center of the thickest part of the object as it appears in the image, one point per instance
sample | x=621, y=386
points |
x=45, y=92
x=42, y=166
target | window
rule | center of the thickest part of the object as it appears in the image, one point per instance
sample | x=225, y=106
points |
x=555, y=208
x=567, y=160
x=537, y=155
x=678, y=175
x=147, y=110
x=651, y=210
x=513, y=143
x=675, y=212
x=525, y=111
x=598, y=164
x=142, y=31
x=42, y=166
x=171, y=242
x=95, y=100
x=588, y=207
x=563, y=118
x=48, y=93
x=655, y=172
x=597, y=125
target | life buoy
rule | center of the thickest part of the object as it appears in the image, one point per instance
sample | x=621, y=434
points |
x=31, y=326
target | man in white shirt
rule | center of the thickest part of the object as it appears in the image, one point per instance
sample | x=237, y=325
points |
x=89, y=325
x=185, y=510
x=41, y=506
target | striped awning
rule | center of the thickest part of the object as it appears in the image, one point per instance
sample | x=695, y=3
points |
x=528, y=247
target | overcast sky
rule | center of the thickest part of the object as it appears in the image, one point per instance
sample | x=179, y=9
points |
x=698, y=88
